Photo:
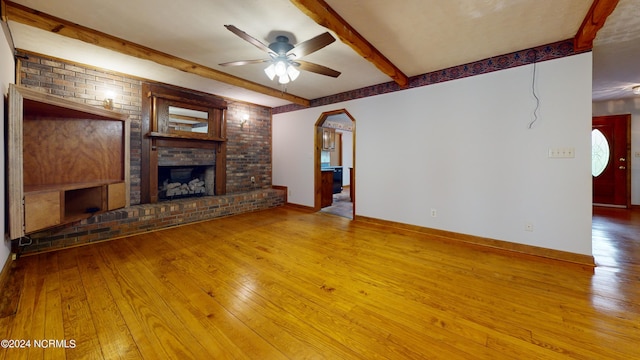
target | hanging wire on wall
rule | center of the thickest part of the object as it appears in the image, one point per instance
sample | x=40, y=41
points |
x=533, y=90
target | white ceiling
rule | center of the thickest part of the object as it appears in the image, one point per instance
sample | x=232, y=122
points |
x=616, y=53
x=418, y=36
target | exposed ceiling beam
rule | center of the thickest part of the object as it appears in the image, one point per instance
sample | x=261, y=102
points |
x=27, y=16
x=324, y=15
x=592, y=23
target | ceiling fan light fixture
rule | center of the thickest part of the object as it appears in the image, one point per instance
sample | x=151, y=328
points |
x=292, y=72
x=284, y=79
x=281, y=68
x=270, y=71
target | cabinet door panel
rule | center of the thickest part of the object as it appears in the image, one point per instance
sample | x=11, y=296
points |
x=116, y=196
x=42, y=210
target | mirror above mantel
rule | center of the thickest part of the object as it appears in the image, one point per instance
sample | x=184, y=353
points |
x=187, y=120
x=181, y=119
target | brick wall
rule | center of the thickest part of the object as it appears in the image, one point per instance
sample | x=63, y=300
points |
x=185, y=157
x=248, y=155
x=248, y=148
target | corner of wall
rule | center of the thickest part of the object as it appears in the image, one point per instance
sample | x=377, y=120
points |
x=7, y=76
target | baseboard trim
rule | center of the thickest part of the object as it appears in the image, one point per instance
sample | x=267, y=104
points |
x=4, y=275
x=11, y=279
x=520, y=249
x=300, y=207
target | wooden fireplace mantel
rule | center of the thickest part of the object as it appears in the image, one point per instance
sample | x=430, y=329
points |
x=155, y=111
x=179, y=141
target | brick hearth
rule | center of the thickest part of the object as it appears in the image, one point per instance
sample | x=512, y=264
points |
x=148, y=217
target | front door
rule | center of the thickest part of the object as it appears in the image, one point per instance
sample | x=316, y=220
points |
x=610, y=160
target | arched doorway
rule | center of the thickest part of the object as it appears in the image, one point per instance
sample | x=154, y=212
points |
x=342, y=122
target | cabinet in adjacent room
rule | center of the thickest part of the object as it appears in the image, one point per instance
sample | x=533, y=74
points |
x=328, y=139
x=66, y=161
x=327, y=188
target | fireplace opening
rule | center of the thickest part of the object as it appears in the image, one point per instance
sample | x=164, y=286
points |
x=177, y=182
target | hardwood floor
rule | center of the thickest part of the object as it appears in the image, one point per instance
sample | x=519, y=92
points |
x=287, y=284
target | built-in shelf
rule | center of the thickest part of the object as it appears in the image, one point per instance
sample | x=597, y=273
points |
x=69, y=186
x=66, y=161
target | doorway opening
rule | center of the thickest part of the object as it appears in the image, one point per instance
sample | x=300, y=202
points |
x=334, y=163
x=611, y=148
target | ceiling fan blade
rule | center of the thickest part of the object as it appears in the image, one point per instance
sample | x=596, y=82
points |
x=318, y=69
x=255, y=42
x=244, y=62
x=310, y=46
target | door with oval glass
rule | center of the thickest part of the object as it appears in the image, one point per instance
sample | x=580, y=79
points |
x=610, y=144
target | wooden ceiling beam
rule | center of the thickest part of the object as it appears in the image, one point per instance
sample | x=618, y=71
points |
x=324, y=15
x=28, y=16
x=592, y=23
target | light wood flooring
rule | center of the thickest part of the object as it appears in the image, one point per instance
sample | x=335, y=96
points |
x=286, y=284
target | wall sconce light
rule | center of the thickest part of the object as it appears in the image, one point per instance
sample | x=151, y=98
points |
x=108, y=101
x=636, y=89
x=245, y=119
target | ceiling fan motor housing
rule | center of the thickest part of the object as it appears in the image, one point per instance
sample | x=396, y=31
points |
x=281, y=46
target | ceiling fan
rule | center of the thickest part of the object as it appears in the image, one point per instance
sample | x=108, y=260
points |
x=284, y=58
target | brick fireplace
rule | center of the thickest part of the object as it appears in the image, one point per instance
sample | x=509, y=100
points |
x=237, y=154
x=185, y=172
x=182, y=158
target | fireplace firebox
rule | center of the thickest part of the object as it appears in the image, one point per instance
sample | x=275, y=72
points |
x=176, y=182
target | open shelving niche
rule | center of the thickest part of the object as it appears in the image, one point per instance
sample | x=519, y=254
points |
x=66, y=161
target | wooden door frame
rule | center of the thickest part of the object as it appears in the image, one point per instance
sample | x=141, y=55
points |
x=317, y=181
x=627, y=156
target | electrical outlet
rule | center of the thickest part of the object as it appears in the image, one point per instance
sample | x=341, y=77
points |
x=434, y=213
x=253, y=179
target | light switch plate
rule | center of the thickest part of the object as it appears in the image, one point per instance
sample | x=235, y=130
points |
x=562, y=152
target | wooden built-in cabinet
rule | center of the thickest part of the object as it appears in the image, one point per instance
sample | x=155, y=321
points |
x=66, y=161
x=327, y=188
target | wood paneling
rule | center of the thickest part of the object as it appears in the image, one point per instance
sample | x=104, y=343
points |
x=116, y=196
x=327, y=188
x=62, y=151
x=44, y=209
x=287, y=284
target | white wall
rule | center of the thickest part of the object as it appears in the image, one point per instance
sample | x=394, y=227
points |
x=464, y=148
x=347, y=156
x=627, y=106
x=7, y=71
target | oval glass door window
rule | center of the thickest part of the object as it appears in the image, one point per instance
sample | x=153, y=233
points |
x=599, y=152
